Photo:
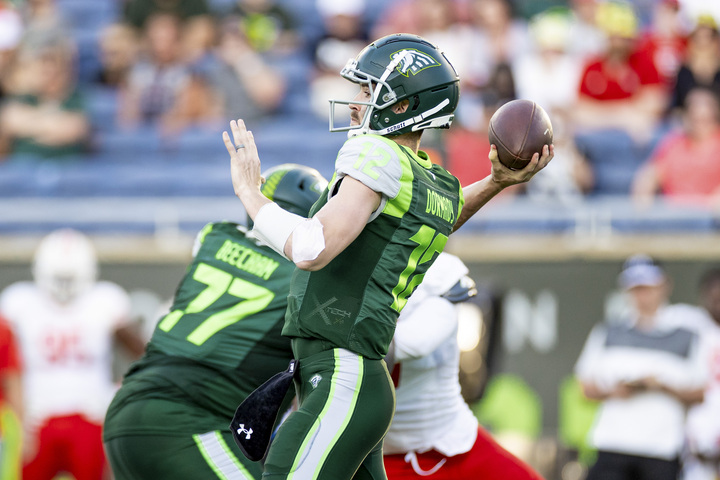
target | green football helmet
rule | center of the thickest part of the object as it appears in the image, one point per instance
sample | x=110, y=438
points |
x=397, y=67
x=294, y=187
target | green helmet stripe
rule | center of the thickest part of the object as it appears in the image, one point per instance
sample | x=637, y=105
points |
x=271, y=183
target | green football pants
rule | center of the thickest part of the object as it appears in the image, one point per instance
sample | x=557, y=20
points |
x=346, y=404
x=207, y=455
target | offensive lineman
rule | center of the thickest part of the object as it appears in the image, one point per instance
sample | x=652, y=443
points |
x=385, y=216
x=220, y=341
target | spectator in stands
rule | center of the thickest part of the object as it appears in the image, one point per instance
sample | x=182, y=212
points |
x=445, y=23
x=197, y=105
x=497, y=38
x=421, y=17
x=199, y=38
x=438, y=21
x=251, y=87
x=138, y=12
x=701, y=66
x=11, y=404
x=621, y=89
x=156, y=80
x=685, y=167
x=665, y=40
x=499, y=34
x=587, y=39
x=46, y=117
x=549, y=75
x=43, y=16
x=702, y=461
x=645, y=369
x=344, y=35
x=620, y=103
x=66, y=322
x=268, y=25
x=118, y=53
x=11, y=29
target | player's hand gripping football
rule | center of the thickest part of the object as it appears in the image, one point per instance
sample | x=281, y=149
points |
x=505, y=177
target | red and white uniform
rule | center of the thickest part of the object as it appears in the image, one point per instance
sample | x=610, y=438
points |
x=434, y=434
x=68, y=384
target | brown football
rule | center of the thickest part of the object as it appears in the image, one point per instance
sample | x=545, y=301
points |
x=519, y=129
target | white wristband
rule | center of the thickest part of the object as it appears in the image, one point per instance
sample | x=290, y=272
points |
x=273, y=226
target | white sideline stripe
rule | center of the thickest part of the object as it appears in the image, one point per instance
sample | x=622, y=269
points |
x=220, y=458
x=334, y=417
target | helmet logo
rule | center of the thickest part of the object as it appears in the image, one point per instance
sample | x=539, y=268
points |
x=414, y=61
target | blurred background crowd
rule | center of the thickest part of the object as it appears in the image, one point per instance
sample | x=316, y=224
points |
x=629, y=87
x=111, y=113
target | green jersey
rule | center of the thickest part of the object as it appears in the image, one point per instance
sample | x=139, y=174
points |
x=355, y=300
x=221, y=338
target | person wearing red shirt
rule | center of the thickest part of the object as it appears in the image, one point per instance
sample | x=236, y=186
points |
x=684, y=167
x=665, y=40
x=622, y=88
x=621, y=99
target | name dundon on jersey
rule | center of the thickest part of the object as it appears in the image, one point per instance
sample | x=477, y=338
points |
x=221, y=338
x=355, y=300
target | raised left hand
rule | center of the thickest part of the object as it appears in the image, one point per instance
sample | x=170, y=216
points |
x=244, y=160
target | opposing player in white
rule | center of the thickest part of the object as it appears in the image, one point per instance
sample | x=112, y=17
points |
x=433, y=433
x=66, y=322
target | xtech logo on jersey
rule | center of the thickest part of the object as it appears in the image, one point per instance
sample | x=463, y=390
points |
x=414, y=61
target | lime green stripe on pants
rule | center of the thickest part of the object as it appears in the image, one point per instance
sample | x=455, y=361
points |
x=10, y=444
x=346, y=406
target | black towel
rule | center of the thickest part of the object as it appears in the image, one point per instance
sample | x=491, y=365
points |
x=252, y=425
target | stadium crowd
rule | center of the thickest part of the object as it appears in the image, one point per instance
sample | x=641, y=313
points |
x=110, y=82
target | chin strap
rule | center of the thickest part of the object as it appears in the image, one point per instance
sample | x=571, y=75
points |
x=411, y=458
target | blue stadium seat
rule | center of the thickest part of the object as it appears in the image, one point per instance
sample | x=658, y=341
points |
x=89, y=14
x=136, y=145
x=88, y=54
x=102, y=107
x=614, y=157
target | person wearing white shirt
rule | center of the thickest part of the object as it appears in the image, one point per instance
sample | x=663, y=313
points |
x=645, y=370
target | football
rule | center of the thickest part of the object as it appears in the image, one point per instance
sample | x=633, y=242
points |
x=518, y=129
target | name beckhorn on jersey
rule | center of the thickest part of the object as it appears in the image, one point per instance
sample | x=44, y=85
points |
x=415, y=62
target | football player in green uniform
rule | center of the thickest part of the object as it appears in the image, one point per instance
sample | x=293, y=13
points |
x=220, y=340
x=386, y=215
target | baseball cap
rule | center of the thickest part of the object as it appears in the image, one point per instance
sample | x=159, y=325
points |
x=640, y=270
x=617, y=18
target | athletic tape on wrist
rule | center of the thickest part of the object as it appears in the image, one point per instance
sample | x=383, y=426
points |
x=273, y=226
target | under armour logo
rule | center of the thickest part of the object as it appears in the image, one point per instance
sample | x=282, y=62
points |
x=242, y=430
x=315, y=380
x=414, y=61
